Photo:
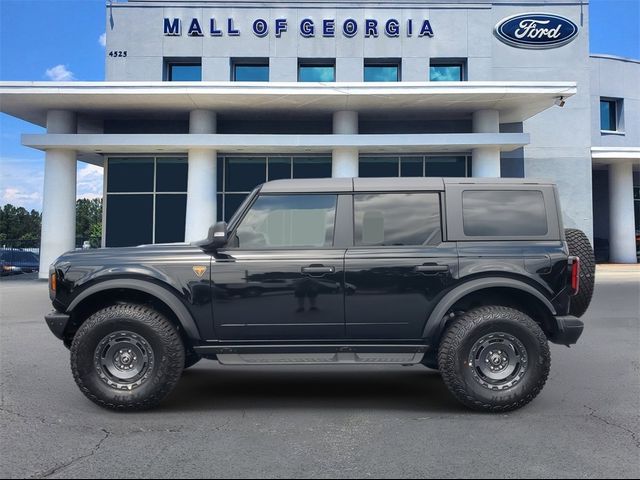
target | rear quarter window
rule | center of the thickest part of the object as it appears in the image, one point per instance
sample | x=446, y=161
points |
x=504, y=213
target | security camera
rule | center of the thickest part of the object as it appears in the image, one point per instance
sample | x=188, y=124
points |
x=559, y=101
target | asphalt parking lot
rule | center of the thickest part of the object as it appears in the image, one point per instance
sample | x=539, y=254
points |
x=322, y=421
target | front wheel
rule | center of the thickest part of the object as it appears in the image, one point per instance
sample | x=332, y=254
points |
x=127, y=357
x=494, y=359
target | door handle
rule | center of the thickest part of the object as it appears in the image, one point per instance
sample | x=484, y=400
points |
x=317, y=269
x=431, y=268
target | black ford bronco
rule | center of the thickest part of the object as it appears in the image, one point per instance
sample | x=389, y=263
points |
x=471, y=277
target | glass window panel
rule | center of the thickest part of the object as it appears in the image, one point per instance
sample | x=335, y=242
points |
x=317, y=73
x=219, y=208
x=399, y=219
x=251, y=73
x=411, y=167
x=311, y=167
x=279, y=168
x=608, y=115
x=171, y=175
x=381, y=73
x=220, y=173
x=231, y=204
x=130, y=175
x=244, y=173
x=378, y=167
x=288, y=221
x=184, y=72
x=445, y=73
x=129, y=220
x=170, y=217
x=507, y=213
x=445, y=167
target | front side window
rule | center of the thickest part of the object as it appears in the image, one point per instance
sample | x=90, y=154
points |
x=288, y=221
x=608, y=115
x=397, y=219
x=504, y=213
x=317, y=71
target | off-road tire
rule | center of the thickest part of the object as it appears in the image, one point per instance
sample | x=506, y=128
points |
x=579, y=246
x=455, y=350
x=161, y=336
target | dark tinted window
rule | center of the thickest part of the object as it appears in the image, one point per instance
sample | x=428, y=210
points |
x=316, y=73
x=251, y=73
x=171, y=175
x=129, y=220
x=378, y=167
x=244, y=173
x=279, y=168
x=505, y=213
x=130, y=175
x=381, y=73
x=288, y=221
x=311, y=167
x=608, y=120
x=184, y=72
x=170, y=217
x=411, y=167
x=445, y=167
x=231, y=203
x=397, y=219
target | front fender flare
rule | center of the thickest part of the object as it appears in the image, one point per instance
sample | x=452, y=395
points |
x=436, y=321
x=161, y=293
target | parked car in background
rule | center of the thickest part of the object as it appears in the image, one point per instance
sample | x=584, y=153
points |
x=14, y=261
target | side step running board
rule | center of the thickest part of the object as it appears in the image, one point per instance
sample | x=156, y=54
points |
x=315, y=354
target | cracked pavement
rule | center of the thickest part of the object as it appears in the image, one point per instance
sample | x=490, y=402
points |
x=323, y=422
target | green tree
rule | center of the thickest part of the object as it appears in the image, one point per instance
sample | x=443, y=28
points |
x=16, y=223
x=89, y=220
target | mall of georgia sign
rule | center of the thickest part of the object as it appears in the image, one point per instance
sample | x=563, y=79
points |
x=536, y=30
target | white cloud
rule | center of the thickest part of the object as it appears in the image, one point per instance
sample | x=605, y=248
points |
x=102, y=40
x=60, y=73
x=17, y=197
x=89, y=183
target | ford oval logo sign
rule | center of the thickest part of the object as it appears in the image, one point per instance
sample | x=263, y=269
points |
x=536, y=30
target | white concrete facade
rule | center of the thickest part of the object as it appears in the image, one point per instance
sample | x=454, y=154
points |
x=59, y=197
x=517, y=112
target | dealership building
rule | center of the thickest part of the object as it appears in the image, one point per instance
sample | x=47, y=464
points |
x=205, y=99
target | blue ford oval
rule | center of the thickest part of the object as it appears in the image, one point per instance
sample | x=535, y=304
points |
x=536, y=30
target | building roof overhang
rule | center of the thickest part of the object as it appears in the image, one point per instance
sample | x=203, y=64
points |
x=516, y=101
x=611, y=155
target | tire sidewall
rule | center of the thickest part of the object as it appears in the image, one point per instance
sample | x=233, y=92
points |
x=83, y=351
x=535, y=362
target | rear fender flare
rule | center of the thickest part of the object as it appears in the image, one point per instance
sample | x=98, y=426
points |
x=436, y=321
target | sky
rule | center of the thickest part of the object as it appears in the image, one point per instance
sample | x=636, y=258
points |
x=63, y=40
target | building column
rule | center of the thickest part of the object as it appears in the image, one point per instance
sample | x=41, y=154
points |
x=486, y=160
x=622, y=231
x=58, y=231
x=345, y=159
x=201, y=186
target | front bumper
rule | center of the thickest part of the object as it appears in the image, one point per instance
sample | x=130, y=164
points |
x=57, y=323
x=568, y=330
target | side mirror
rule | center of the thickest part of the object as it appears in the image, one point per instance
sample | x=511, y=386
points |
x=217, y=236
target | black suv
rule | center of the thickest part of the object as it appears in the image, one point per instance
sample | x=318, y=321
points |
x=471, y=277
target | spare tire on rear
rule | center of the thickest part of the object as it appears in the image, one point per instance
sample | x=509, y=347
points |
x=580, y=247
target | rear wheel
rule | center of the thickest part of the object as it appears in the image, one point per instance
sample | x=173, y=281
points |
x=580, y=247
x=127, y=357
x=494, y=359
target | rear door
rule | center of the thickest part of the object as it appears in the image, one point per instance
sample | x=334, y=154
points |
x=398, y=265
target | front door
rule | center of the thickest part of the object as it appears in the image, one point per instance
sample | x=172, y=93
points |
x=281, y=277
x=398, y=265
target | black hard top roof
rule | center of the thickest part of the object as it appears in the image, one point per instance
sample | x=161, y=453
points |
x=321, y=185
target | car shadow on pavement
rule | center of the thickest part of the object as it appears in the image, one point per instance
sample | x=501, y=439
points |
x=273, y=388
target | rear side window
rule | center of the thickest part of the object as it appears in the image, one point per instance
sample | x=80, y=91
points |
x=288, y=221
x=397, y=219
x=504, y=213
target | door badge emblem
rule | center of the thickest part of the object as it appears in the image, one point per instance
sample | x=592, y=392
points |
x=199, y=270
